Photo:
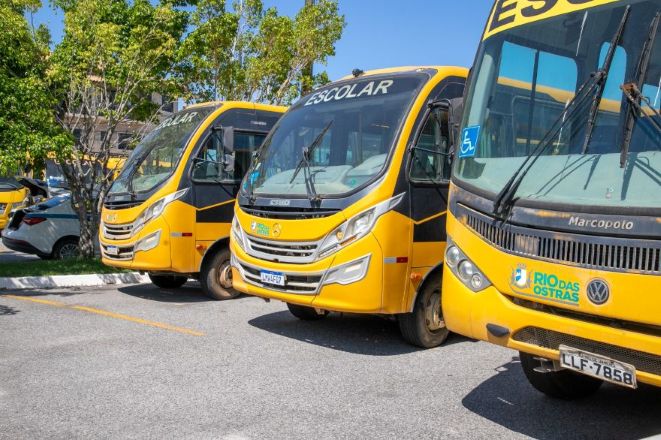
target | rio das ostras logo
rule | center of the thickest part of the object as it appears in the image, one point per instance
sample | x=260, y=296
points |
x=544, y=285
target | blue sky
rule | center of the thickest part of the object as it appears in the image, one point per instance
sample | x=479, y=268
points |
x=383, y=33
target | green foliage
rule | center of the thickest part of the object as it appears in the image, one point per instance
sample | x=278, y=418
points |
x=248, y=53
x=26, y=122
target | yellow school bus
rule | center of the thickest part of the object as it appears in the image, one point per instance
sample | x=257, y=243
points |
x=554, y=222
x=342, y=209
x=169, y=211
x=12, y=195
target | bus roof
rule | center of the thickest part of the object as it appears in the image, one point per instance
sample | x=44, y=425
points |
x=401, y=69
x=240, y=104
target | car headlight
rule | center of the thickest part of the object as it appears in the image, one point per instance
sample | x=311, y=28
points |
x=348, y=273
x=464, y=269
x=356, y=227
x=237, y=234
x=149, y=242
x=156, y=209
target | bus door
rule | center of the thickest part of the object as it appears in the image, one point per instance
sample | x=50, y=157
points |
x=217, y=170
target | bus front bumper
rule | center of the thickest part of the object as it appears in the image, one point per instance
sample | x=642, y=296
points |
x=540, y=333
x=351, y=283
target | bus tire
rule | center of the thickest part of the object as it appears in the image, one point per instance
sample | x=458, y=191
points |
x=307, y=313
x=216, y=277
x=563, y=384
x=168, y=281
x=425, y=327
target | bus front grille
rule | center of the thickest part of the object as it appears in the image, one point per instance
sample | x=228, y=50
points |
x=282, y=251
x=297, y=283
x=550, y=339
x=587, y=251
x=117, y=232
x=124, y=253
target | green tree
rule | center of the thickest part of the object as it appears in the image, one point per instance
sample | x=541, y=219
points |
x=27, y=128
x=248, y=53
x=113, y=56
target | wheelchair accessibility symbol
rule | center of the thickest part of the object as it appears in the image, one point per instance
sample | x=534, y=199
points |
x=469, y=138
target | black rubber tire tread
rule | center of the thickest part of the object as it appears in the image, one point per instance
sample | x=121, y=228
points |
x=210, y=284
x=563, y=384
x=306, y=313
x=412, y=325
x=60, y=244
x=168, y=281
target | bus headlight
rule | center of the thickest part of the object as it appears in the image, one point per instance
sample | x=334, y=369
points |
x=237, y=234
x=348, y=273
x=464, y=269
x=149, y=242
x=356, y=227
x=156, y=209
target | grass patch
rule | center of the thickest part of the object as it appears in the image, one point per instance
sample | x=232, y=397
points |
x=55, y=267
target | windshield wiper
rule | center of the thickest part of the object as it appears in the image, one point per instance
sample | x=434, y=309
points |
x=632, y=91
x=602, y=77
x=505, y=198
x=304, y=164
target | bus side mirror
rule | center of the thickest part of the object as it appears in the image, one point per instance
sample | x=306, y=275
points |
x=227, y=137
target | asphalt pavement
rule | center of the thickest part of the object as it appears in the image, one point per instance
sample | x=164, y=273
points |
x=9, y=256
x=138, y=362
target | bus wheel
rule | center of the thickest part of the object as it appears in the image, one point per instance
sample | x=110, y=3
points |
x=307, y=313
x=425, y=326
x=216, y=277
x=168, y=281
x=563, y=384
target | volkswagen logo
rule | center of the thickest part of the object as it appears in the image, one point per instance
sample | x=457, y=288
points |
x=598, y=291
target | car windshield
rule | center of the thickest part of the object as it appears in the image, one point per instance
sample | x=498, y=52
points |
x=156, y=157
x=524, y=78
x=9, y=184
x=355, y=124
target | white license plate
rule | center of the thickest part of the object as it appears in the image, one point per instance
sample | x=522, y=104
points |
x=598, y=366
x=275, y=278
x=112, y=250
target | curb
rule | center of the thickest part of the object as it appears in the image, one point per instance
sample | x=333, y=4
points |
x=91, y=280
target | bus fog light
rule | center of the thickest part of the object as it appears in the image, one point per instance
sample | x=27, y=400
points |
x=149, y=242
x=467, y=272
x=453, y=256
x=348, y=273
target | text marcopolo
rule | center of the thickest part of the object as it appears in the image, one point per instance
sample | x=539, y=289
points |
x=624, y=225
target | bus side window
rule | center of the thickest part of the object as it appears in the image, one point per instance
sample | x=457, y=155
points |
x=208, y=165
x=430, y=156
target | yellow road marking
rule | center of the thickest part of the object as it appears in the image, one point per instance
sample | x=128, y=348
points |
x=109, y=315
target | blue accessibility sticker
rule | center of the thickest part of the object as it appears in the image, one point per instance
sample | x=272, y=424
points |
x=469, y=138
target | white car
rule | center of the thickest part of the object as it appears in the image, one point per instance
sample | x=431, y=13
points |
x=49, y=229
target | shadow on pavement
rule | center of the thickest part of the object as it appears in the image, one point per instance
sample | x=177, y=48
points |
x=6, y=310
x=359, y=334
x=613, y=412
x=189, y=293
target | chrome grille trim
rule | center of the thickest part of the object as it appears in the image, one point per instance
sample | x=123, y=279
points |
x=540, y=337
x=126, y=253
x=282, y=251
x=301, y=283
x=117, y=232
x=587, y=251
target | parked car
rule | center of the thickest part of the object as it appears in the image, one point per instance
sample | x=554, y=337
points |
x=50, y=229
x=18, y=193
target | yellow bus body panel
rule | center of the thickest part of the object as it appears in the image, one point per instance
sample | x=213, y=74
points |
x=177, y=252
x=10, y=198
x=468, y=313
x=387, y=288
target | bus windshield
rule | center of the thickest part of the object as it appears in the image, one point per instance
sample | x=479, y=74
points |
x=355, y=125
x=523, y=80
x=155, y=158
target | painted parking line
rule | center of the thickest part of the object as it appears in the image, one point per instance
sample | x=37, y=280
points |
x=108, y=314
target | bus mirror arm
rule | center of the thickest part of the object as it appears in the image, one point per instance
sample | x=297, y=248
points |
x=226, y=136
